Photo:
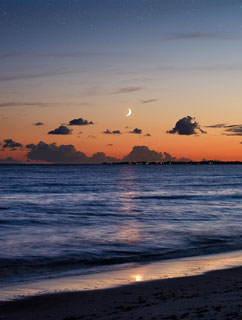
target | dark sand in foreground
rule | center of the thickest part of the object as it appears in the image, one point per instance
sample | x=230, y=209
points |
x=215, y=295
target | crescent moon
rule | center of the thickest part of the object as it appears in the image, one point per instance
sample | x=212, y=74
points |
x=129, y=112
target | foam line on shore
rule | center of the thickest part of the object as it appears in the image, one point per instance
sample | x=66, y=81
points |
x=128, y=274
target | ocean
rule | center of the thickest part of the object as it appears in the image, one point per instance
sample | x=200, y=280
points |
x=60, y=220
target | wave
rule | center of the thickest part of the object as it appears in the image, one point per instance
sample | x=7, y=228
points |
x=19, y=267
x=189, y=197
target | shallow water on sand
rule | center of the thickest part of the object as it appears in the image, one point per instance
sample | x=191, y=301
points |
x=124, y=275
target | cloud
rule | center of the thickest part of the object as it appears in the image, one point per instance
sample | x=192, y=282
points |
x=8, y=55
x=230, y=129
x=149, y=100
x=35, y=75
x=11, y=144
x=168, y=157
x=80, y=122
x=237, y=67
x=143, y=153
x=36, y=104
x=77, y=54
x=100, y=157
x=24, y=104
x=63, y=154
x=232, y=125
x=233, y=130
x=136, y=131
x=219, y=125
x=55, y=154
x=198, y=36
x=110, y=145
x=147, y=135
x=92, y=136
x=128, y=89
x=107, y=131
x=9, y=160
x=38, y=124
x=186, y=126
x=61, y=130
x=5, y=56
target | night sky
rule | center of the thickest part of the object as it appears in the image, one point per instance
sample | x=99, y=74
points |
x=176, y=63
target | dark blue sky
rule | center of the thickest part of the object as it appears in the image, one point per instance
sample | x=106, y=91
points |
x=42, y=26
x=116, y=33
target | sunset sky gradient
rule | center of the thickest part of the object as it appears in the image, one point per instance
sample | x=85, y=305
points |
x=165, y=59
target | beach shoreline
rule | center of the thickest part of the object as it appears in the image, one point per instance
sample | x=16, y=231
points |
x=120, y=275
x=213, y=295
x=197, y=287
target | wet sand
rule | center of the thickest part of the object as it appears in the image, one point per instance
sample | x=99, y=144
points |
x=214, y=295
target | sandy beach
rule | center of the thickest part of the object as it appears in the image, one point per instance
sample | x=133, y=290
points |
x=214, y=295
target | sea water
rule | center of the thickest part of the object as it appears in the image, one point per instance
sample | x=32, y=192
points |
x=60, y=220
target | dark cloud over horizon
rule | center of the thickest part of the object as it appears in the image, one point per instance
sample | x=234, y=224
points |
x=39, y=123
x=143, y=153
x=53, y=153
x=61, y=130
x=186, y=126
x=9, y=160
x=100, y=157
x=63, y=154
x=80, y=122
